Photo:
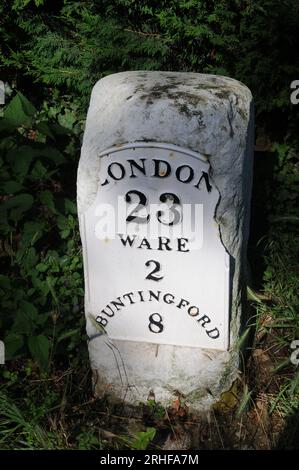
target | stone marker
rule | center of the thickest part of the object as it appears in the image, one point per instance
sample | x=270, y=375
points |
x=164, y=186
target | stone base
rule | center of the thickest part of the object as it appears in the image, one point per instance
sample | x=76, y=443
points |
x=128, y=371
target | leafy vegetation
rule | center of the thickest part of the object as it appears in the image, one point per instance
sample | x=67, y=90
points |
x=41, y=296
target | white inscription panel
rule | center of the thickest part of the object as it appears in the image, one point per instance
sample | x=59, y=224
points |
x=155, y=268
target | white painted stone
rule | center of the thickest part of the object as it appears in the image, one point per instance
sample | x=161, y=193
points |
x=205, y=122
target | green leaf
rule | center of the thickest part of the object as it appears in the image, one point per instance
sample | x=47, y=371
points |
x=20, y=159
x=62, y=222
x=22, y=324
x=44, y=129
x=13, y=343
x=42, y=267
x=11, y=187
x=65, y=233
x=67, y=119
x=70, y=207
x=19, y=111
x=32, y=232
x=52, y=154
x=29, y=309
x=29, y=259
x=39, y=347
x=143, y=439
x=46, y=198
x=18, y=205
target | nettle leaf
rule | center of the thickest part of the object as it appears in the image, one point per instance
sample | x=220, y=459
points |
x=39, y=347
x=29, y=259
x=29, y=309
x=17, y=205
x=23, y=324
x=12, y=187
x=62, y=222
x=40, y=172
x=20, y=159
x=47, y=199
x=65, y=233
x=68, y=119
x=70, y=207
x=44, y=129
x=13, y=343
x=19, y=111
x=52, y=154
x=32, y=232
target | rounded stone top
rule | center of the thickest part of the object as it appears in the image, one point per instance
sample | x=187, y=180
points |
x=172, y=107
x=151, y=85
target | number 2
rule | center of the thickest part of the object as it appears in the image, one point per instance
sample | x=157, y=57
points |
x=151, y=276
x=142, y=203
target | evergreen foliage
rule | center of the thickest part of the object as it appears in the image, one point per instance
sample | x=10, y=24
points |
x=69, y=45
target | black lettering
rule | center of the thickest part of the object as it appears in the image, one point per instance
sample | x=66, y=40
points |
x=182, y=244
x=193, y=311
x=166, y=296
x=141, y=205
x=155, y=296
x=122, y=171
x=151, y=276
x=179, y=175
x=211, y=331
x=140, y=292
x=117, y=304
x=128, y=240
x=129, y=295
x=164, y=243
x=102, y=321
x=159, y=172
x=204, y=176
x=140, y=168
x=204, y=320
x=145, y=243
x=155, y=325
x=183, y=303
x=108, y=314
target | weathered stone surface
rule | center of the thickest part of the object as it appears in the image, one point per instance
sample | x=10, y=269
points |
x=211, y=115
